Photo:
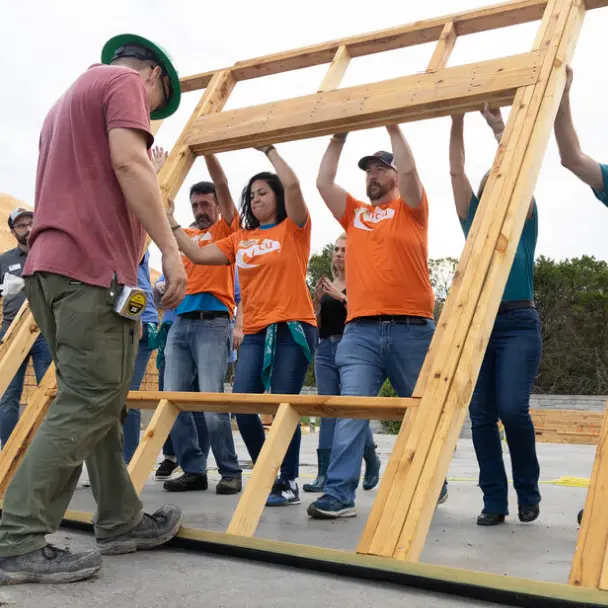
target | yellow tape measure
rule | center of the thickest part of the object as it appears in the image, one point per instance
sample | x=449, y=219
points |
x=131, y=302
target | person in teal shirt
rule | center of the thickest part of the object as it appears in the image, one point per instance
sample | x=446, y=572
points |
x=588, y=170
x=511, y=361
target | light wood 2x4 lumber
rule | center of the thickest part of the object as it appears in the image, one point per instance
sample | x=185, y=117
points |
x=469, y=22
x=23, y=433
x=562, y=29
x=151, y=443
x=16, y=345
x=327, y=406
x=408, y=497
x=251, y=504
x=468, y=583
x=589, y=568
x=415, y=97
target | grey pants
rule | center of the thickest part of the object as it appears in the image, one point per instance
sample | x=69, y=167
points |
x=94, y=353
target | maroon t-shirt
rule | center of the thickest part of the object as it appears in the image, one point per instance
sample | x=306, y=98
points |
x=83, y=228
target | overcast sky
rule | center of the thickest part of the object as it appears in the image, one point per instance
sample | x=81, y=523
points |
x=44, y=46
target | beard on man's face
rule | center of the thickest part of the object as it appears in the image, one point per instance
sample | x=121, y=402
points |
x=22, y=239
x=375, y=190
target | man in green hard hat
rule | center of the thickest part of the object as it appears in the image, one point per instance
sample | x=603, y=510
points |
x=96, y=197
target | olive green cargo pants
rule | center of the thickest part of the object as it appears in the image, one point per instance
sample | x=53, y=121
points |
x=94, y=353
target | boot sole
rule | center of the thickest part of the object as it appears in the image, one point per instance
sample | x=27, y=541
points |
x=16, y=578
x=319, y=514
x=122, y=546
x=312, y=489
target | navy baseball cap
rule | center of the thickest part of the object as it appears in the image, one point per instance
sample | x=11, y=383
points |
x=386, y=158
x=16, y=214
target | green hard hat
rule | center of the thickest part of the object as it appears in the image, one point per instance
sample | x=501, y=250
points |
x=132, y=45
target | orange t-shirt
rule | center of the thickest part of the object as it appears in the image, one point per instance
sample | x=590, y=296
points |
x=217, y=280
x=272, y=266
x=387, y=269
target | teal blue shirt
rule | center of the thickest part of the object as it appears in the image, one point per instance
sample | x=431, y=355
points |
x=520, y=284
x=200, y=301
x=602, y=194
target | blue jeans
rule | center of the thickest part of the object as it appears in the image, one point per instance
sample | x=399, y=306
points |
x=197, y=347
x=132, y=424
x=327, y=375
x=288, y=375
x=503, y=393
x=371, y=351
x=9, y=404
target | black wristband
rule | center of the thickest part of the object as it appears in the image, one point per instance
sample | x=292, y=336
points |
x=174, y=228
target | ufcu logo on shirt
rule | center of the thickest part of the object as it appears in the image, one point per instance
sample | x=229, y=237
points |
x=366, y=218
x=199, y=238
x=250, y=249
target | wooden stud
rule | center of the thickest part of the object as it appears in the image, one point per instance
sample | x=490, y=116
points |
x=369, y=408
x=23, y=433
x=151, y=443
x=429, y=30
x=589, y=563
x=336, y=70
x=249, y=510
x=450, y=383
x=180, y=160
x=425, y=576
x=16, y=345
x=444, y=48
x=415, y=97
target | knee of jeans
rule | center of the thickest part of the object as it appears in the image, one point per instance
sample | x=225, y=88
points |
x=514, y=416
x=481, y=418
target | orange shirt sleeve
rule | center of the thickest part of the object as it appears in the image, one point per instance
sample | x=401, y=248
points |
x=228, y=245
x=349, y=212
x=421, y=213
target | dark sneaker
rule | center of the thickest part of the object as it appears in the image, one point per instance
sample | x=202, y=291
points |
x=165, y=470
x=490, y=519
x=186, y=483
x=328, y=507
x=229, y=485
x=49, y=565
x=282, y=495
x=152, y=531
x=528, y=513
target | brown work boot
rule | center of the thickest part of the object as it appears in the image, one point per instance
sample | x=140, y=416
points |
x=229, y=485
x=49, y=565
x=152, y=531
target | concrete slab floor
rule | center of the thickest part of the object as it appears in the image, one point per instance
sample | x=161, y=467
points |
x=542, y=550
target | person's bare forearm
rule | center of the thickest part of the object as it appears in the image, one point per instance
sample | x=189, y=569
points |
x=222, y=191
x=139, y=185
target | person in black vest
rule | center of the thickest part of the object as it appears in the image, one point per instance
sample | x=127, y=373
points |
x=330, y=310
x=12, y=262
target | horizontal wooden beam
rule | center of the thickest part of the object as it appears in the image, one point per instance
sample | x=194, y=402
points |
x=446, y=91
x=428, y=30
x=510, y=590
x=324, y=406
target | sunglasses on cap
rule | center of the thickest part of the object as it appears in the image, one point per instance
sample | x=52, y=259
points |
x=144, y=54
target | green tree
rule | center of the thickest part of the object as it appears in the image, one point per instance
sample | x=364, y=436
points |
x=572, y=300
x=319, y=265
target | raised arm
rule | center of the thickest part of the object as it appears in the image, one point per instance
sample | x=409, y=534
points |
x=493, y=117
x=294, y=199
x=461, y=186
x=410, y=186
x=222, y=192
x=570, y=153
x=333, y=195
x=209, y=255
